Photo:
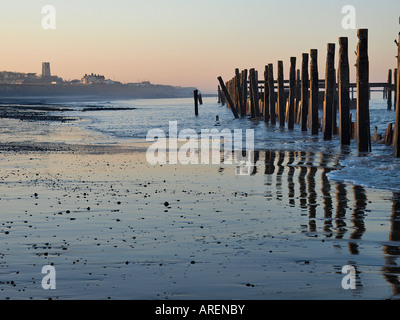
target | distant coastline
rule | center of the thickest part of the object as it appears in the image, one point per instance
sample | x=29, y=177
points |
x=58, y=92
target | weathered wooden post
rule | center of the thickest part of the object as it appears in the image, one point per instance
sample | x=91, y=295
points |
x=266, y=96
x=196, y=102
x=363, y=126
x=314, y=90
x=239, y=91
x=227, y=96
x=256, y=97
x=219, y=94
x=298, y=85
x=329, y=91
x=243, y=81
x=292, y=92
x=344, y=98
x=396, y=139
x=395, y=90
x=389, y=90
x=251, y=94
x=281, y=95
x=304, y=92
x=200, y=99
x=271, y=86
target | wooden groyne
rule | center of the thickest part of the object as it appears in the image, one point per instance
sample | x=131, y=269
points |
x=298, y=99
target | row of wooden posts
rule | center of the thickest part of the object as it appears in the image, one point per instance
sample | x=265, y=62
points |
x=300, y=103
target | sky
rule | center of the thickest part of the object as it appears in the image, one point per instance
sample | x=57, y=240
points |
x=189, y=43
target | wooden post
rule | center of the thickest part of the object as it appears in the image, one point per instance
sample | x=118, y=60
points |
x=363, y=126
x=243, y=81
x=200, y=99
x=219, y=94
x=395, y=90
x=304, y=92
x=271, y=86
x=298, y=85
x=196, y=102
x=292, y=92
x=239, y=91
x=396, y=139
x=281, y=95
x=344, y=98
x=256, y=98
x=251, y=94
x=266, y=95
x=314, y=90
x=329, y=91
x=227, y=96
x=389, y=90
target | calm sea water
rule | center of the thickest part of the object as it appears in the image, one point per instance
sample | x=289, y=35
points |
x=378, y=169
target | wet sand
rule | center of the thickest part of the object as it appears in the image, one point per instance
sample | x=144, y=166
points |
x=115, y=227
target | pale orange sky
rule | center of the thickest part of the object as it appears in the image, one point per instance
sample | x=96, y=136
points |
x=187, y=43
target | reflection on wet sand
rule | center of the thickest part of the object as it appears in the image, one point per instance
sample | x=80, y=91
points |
x=310, y=171
x=391, y=270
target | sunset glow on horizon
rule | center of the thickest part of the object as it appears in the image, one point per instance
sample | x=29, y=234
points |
x=188, y=43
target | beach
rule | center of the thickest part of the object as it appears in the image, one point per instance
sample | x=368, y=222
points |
x=116, y=227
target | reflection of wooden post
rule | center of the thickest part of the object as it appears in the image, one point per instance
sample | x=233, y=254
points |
x=389, y=90
x=314, y=90
x=196, y=102
x=304, y=92
x=329, y=91
x=344, y=99
x=281, y=95
x=292, y=92
x=227, y=96
x=271, y=86
x=266, y=95
x=397, y=123
x=363, y=130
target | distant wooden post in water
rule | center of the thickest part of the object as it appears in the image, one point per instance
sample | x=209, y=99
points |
x=304, y=92
x=314, y=89
x=196, y=102
x=281, y=95
x=396, y=139
x=227, y=96
x=329, y=92
x=363, y=126
x=292, y=92
x=271, y=93
x=344, y=94
x=219, y=94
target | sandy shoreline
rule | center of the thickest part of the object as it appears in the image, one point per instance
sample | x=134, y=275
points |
x=115, y=227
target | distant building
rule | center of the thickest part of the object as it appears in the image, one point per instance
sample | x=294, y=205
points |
x=46, y=70
x=93, y=78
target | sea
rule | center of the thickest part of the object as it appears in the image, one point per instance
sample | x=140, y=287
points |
x=129, y=122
